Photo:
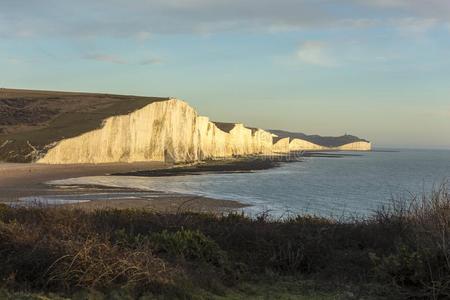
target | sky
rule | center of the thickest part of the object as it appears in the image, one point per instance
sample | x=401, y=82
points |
x=379, y=69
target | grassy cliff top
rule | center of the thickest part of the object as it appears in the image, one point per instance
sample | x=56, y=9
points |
x=226, y=127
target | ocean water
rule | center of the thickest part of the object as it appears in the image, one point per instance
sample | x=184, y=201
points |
x=349, y=185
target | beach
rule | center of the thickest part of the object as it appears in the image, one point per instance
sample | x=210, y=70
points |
x=29, y=180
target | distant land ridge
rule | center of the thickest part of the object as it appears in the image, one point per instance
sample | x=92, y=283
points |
x=64, y=127
x=327, y=141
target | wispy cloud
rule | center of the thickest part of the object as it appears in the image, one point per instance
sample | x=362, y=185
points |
x=420, y=9
x=106, y=58
x=114, y=59
x=315, y=53
x=415, y=26
x=143, y=35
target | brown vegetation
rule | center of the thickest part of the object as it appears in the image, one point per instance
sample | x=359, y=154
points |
x=405, y=248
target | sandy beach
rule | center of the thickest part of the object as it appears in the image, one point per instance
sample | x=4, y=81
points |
x=28, y=180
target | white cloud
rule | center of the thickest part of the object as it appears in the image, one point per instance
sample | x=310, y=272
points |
x=315, y=53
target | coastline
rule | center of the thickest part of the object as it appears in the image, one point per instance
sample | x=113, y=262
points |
x=29, y=180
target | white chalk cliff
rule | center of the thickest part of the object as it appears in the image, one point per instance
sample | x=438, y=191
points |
x=299, y=145
x=356, y=146
x=170, y=131
x=161, y=131
x=281, y=145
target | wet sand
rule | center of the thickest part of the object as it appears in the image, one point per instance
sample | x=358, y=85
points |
x=28, y=180
x=19, y=180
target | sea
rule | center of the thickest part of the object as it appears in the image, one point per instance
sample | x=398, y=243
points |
x=353, y=185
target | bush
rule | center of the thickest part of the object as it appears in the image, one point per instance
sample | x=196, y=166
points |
x=189, y=245
x=3, y=211
x=420, y=265
x=97, y=264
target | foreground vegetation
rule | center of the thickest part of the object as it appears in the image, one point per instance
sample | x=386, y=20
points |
x=400, y=252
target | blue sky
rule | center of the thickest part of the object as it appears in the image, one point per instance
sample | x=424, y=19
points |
x=379, y=69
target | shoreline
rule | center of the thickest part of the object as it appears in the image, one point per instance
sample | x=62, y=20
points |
x=235, y=165
x=18, y=181
x=29, y=180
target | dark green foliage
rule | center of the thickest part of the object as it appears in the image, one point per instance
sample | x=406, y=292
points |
x=189, y=245
x=3, y=210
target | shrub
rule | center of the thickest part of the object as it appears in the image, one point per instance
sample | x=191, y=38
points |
x=189, y=245
x=97, y=264
x=3, y=211
x=420, y=265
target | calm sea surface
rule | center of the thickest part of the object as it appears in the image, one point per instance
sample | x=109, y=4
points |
x=325, y=186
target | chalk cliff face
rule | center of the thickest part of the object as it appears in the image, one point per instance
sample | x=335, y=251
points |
x=172, y=131
x=356, y=146
x=262, y=141
x=281, y=146
x=302, y=145
x=299, y=145
x=162, y=131
x=285, y=145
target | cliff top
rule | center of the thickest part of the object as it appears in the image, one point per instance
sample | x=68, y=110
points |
x=227, y=127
